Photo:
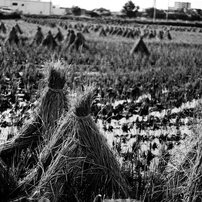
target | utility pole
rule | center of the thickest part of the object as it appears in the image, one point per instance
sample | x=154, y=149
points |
x=50, y=12
x=168, y=10
x=154, y=15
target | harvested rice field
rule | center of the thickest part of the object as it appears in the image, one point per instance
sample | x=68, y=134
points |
x=100, y=111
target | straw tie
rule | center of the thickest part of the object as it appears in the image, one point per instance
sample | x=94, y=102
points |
x=55, y=90
x=80, y=117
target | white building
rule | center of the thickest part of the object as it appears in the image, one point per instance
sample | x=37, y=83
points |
x=182, y=5
x=56, y=10
x=33, y=7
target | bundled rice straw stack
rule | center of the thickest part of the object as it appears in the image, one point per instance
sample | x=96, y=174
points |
x=85, y=30
x=140, y=47
x=79, y=42
x=169, y=35
x=2, y=28
x=52, y=105
x=59, y=36
x=38, y=38
x=12, y=37
x=69, y=39
x=102, y=32
x=18, y=29
x=82, y=164
x=49, y=41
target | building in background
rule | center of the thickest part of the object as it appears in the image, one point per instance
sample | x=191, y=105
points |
x=57, y=10
x=182, y=5
x=33, y=7
x=171, y=8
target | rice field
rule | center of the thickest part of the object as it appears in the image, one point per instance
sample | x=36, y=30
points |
x=141, y=119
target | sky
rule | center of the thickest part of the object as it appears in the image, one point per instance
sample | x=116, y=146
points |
x=116, y=5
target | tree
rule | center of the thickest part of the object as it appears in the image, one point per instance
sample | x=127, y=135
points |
x=160, y=14
x=130, y=9
x=76, y=10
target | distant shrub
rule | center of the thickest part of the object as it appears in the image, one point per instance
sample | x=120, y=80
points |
x=76, y=10
x=14, y=15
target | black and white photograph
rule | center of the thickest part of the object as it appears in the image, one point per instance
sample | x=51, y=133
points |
x=101, y=101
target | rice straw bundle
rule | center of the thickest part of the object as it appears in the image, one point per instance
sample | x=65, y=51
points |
x=115, y=31
x=140, y=47
x=120, y=32
x=69, y=40
x=48, y=154
x=102, y=32
x=38, y=38
x=18, y=29
x=52, y=105
x=125, y=33
x=49, y=41
x=129, y=34
x=169, y=35
x=79, y=42
x=3, y=28
x=151, y=34
x=83, y=164
x=111, y=30
x=160, y=35
x=12, y=37
x=85, y=30
x=59, y=36
x=96, y=29
x=107, y=29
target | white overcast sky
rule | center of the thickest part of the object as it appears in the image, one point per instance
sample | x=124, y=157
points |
x=116, y=5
